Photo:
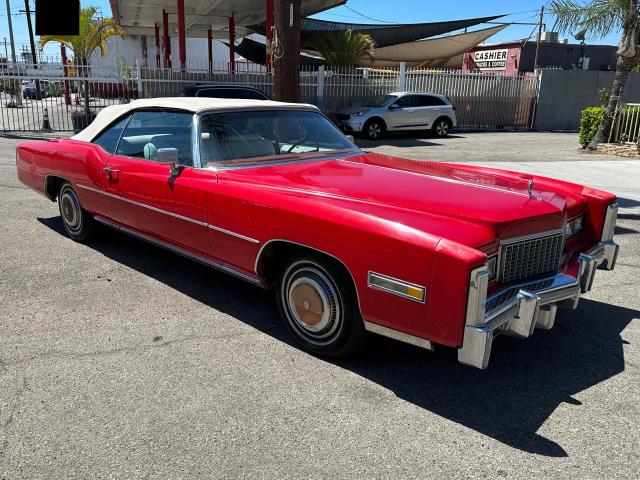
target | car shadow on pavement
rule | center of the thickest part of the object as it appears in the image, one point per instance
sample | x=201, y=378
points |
x=509, y=402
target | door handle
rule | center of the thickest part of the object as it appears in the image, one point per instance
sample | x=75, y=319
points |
x=112, y=174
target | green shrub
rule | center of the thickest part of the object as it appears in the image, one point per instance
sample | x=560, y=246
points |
x=590, y=120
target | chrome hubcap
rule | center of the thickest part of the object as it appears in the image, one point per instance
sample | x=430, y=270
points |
x=70, y=210
x=312, y=304
x=442, y=128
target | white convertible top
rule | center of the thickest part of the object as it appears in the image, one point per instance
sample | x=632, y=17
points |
x=192, y=104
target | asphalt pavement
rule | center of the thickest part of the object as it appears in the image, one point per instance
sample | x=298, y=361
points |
x=120, y=360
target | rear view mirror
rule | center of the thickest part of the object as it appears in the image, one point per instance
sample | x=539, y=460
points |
x=394, y=106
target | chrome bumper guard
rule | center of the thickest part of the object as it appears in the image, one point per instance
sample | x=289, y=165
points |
x=518, y=310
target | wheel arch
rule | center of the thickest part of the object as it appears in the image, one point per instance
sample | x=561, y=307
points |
x=375, y=117
x=447, y=118
x=274, y=252
x=52, y=184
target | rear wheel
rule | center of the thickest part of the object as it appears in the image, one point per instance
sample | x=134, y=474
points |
x=319, y=307
x=374, y=129
x=441, y=127
x=78, y=223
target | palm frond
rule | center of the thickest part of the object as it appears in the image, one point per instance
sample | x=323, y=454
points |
x=598, y=17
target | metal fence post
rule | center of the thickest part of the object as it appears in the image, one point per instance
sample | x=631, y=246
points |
x=139, y=77
x=320, y=87
x=402, y=77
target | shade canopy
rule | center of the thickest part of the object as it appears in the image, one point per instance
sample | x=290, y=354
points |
x=384, y=35
x=433, y=52
x=138, y=17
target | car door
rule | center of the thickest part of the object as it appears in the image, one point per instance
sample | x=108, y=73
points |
x=143, y=195
x=431, y=108
x=402, y=113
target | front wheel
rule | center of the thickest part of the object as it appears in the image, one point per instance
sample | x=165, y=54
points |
x=319, y=307
x=78, y=223
x=374, y=129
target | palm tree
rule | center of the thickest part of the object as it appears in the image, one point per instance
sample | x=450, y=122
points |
x=93, y=34
x=601, y=17
x=342, y=49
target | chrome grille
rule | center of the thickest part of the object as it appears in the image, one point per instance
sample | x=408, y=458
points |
x=529, y=257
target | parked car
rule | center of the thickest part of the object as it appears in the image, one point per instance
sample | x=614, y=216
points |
x=225, y=91
x=29, y=90
x=399, y=112
x=274, y=194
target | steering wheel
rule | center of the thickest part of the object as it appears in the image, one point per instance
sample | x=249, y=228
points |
x=299, y=142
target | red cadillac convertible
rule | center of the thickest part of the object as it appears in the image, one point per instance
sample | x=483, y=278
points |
x=273, y=193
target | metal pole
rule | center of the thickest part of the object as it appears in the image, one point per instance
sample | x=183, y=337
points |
x=268, y=32
x=182, y=41
x=157, y=32
x=13, y=45
x=165, y=39
x=210, y=49
x=33, y=47
x=65, y=69
x=232, y=46
x=535, y=61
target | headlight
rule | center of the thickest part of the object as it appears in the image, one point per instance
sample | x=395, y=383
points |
x=492, y=266
x=574, y=227
x=357, y=114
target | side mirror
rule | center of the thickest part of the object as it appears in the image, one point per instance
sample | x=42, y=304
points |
x=169, y=156
x=351, y=139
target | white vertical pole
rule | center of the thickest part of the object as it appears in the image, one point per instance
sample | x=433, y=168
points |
x=320, y=87
x=402, y=76
x=139, y=77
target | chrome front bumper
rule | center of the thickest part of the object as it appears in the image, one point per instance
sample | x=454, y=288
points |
x=518, y=310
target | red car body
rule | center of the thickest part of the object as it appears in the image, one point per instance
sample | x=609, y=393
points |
x=428, y=224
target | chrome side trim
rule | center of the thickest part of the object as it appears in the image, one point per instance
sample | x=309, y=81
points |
x=144, y=205
x=195, y=141
x=447, y=180
x=171, y=214
x=397, y=335
x=198, y=258
x=268, y=242
x=233, y=234
x=609, y=226
x=372, y=276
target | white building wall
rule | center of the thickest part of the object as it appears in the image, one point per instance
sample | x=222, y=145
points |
x=130, y=50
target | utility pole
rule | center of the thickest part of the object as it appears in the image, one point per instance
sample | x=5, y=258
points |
x=286, y=51
x=535, y=61
x=13, y=45
x=33, y=46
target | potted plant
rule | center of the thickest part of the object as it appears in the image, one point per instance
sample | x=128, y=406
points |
x=80, y=119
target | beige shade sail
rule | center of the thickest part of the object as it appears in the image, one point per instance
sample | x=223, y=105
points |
x=441, y=52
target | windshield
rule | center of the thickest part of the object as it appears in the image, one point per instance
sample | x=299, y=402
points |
x=379, y=101
x=250, y=137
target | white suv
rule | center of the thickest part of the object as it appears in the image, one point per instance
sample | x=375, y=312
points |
x=399, y=112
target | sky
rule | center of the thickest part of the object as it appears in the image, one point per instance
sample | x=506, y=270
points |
x=357, y=11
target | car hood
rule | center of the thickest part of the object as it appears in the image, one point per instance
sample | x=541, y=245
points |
x=463, y=205
x=355, y=109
